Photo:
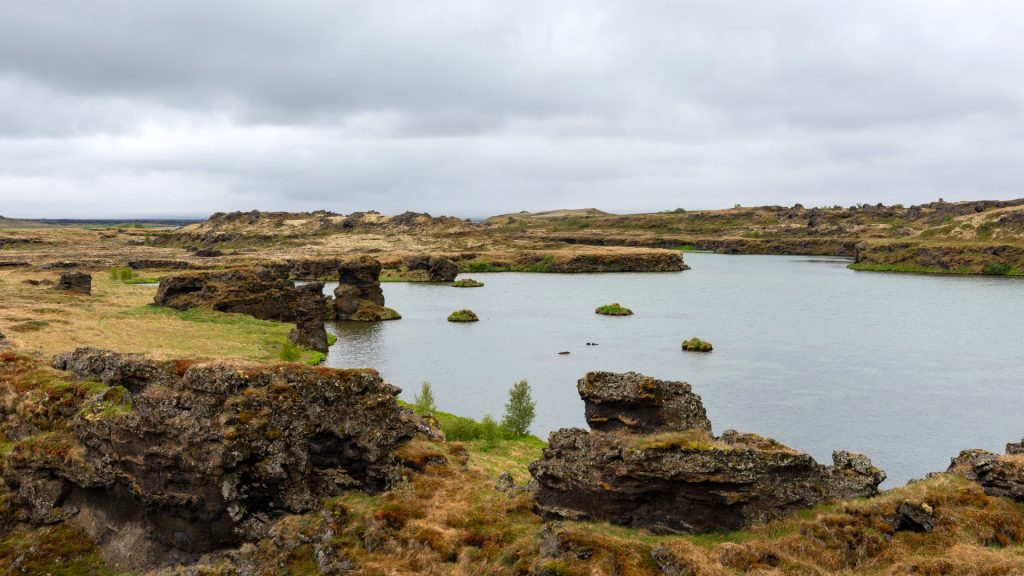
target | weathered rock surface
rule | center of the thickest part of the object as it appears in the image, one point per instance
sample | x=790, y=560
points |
x=77, y=282
x=264, y=293
x=998, y=475
x=155, y=264
x=640, y=403
x=309, y=311
x=651, y=462
x=183, y=459
x=438, y=268
x=359, y=296
x=315, y=268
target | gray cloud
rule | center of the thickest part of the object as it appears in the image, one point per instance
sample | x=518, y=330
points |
x=121, y=108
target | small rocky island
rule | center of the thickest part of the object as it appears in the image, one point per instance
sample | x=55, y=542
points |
x=463, y=315
x=615, y=309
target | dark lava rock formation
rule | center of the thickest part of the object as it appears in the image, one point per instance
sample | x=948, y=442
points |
x=651, y=462
x=640, y=404
x=78, y=282
x=998, y=474
x=264, y=293
x=166, y=460
x=438, y=268
x=358, y=295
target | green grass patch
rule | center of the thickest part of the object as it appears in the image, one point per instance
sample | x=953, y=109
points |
x=543, y=265
x=273, y=336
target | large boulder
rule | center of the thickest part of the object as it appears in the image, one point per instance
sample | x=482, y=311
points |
x=670, y=474
x=639, y=403
x=75, y=282
x=359, y=296
x=195, y=457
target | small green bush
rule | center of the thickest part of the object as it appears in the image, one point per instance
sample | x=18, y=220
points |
x=289, y=352
x=997, y=269
x=614, y=310
x=424, y=403
x=697, y=345
x=519, y=411
x=121, y=273
x=332, y=339
x=462, y=316
x=490, y=431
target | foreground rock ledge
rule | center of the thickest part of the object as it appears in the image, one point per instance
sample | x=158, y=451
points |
x=182, y=459
x=658, y=467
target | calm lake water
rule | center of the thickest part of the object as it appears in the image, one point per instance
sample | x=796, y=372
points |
x=908, y=369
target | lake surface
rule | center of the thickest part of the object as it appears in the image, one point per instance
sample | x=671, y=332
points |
x=908, y=369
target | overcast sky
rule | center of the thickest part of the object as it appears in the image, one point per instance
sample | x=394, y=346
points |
x=186, y=107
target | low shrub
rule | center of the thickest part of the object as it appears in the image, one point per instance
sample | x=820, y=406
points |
x=997, y=269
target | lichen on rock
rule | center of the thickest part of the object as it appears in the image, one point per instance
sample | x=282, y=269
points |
x=651, y=461
x=186, y=458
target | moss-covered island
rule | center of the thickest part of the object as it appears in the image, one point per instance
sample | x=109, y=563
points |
x=467, y=283
x=615, y=309
x=697, y=345
x=463, y=315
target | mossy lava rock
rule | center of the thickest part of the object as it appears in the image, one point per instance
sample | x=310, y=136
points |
x=615, y=309
x=467, y=283
x=697, y=345
x=463, y=316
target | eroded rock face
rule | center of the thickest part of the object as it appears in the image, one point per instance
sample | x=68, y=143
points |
x=77, y=282
x=651, y=461
x=359, y=296
x=190, y=458
x=438, y=268
x=639, y=403
x=264, y=293
x=998, y=475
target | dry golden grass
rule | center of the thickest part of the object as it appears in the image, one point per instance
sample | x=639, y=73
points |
x=43, y=320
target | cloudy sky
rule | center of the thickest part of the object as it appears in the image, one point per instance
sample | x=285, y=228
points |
x=123, y=108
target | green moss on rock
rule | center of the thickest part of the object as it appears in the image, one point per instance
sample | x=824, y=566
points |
x=697, y=345
x=467, y=283
x=615, y=309
x=463, y=316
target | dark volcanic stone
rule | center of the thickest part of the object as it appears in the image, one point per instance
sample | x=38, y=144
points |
x=442, y=270
x=998, y=475
x=78, y=282
x=264, y=293
x=200, y=457
x=651, y=462
x=358, y=295
x=309, y=312
x=640, y=403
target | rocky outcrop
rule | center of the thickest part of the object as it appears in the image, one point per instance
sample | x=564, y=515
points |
x=309, y=311
x=640, y=404
x=651, y=462
x=997, y=474
x=438, y=268
x=168, y=460
x=359, y=296
x=76, y=282
x=158, y=264
x=264, y=293
x=315, y=268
